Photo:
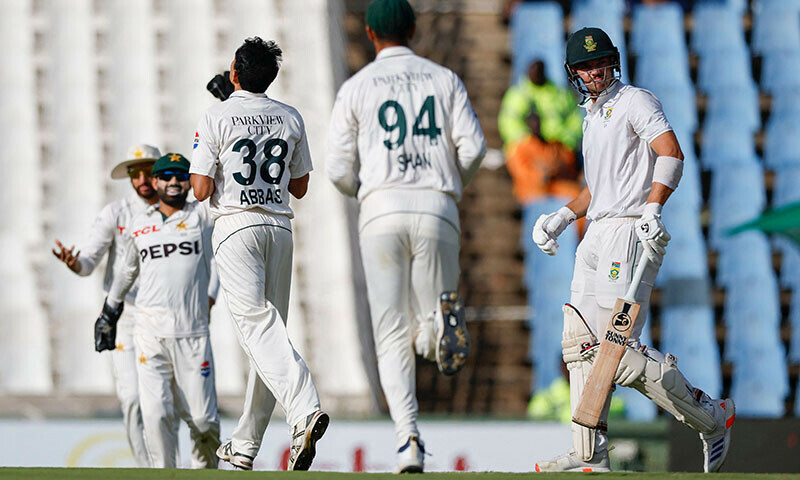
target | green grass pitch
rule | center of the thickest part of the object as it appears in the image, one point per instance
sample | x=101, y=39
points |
x=137, y=473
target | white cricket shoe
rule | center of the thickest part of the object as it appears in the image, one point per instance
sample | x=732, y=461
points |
x=716, y=443
x=411, y=456
x=452, y=337
x=570, y=462
x=304, y=440
x=240, y=461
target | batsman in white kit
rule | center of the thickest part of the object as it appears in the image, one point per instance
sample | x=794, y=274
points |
x=632, y=163
x=250, y=153
x=168, y=247
x=107, y=231
x=405, y=140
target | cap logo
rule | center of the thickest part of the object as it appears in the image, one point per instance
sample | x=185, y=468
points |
x=589, y=44
x=138, y=153
x=174, y=158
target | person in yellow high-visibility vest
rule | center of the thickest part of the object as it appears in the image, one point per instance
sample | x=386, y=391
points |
x=560, y=117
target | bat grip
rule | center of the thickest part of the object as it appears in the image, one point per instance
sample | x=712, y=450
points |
x=630, y=295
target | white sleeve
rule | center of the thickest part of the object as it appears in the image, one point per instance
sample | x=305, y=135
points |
x=301, y=157
x=466, y=133
x=341, y=164
x=206, y=147
x=647, y=116
x=101, y=236
x=125, y=276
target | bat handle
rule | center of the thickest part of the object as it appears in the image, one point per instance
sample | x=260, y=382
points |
x=630, y=295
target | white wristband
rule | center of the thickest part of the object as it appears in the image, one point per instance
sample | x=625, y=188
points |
x=568, y=214
x=668, y=171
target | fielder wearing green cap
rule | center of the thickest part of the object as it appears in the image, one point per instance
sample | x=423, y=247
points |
x=632, y=164
x=405, y=141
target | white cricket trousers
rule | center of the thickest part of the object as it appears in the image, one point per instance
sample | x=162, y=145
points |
x=604, y=265
x=176, y=380
x=123, y=367
x=253, y=251
x=409, y=260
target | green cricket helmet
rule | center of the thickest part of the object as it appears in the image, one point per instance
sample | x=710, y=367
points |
x=590, y=43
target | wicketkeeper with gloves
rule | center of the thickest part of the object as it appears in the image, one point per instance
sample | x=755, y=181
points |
x=632, y=163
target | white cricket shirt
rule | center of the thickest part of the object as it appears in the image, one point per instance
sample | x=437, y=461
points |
x=172, y=259
x=618, y=159
x=105, y=236
x=251, y=145
x=403, y=122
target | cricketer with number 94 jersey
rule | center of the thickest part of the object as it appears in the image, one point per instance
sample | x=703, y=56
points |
x=261, y=143
x=416, y=128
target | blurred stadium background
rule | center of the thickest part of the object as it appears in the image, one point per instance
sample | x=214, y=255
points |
x=85, y=79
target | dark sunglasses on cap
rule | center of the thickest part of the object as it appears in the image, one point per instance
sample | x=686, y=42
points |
x=167, y=175
x=135, y=170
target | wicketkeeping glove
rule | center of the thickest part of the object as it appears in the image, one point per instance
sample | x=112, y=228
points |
x=105, y=328
x=220, y=86
x=549, y=227
x=652, y=233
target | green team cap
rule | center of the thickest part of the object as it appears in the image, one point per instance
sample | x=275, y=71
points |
x=171, y=161
x=390, y=18
x=587, y=44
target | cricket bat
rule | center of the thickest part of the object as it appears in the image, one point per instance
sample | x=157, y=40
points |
x=612, y=346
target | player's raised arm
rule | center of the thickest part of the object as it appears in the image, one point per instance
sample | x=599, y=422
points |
x=205, y=156
x=101, y=235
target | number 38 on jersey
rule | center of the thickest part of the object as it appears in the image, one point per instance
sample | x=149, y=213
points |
x=262, y=170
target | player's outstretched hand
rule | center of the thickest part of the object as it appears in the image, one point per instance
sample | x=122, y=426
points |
x=67, y=256
x=549, y=227
x=220, y=86
x=105, y=328
x=652, y=233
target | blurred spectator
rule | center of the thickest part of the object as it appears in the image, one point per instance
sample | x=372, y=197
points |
x=540, y=168
x=560, y=117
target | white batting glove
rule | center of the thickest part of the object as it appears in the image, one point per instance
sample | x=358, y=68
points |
x=549, y=227
x=652, y=233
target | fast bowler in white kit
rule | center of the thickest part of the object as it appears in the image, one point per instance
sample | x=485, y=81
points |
x=405, y=141
x=632, y=163
x=168, y=246
x=250, y=153
x=109, y=226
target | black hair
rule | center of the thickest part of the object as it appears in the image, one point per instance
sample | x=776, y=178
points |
x=257, y=64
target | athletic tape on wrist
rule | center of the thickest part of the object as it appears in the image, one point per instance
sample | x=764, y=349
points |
x=668, y=171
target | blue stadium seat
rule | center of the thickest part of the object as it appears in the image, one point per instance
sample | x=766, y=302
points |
x=740, y=103
x=658, y=29
x=780, y=71
x=686, y=253
x=794, y=322
x=782, y=145
x=725, y=69
x=717, y=26
x=776, y=27
x=738, y=6
x=545, y=298
x=786, y=188
x=728, y=144
x=678, y=102
x=760, y=383
x=668, y=70
x=698, y=354
x=537, y=32
x=790, y=264
x=785, y=105
x=742, y=257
